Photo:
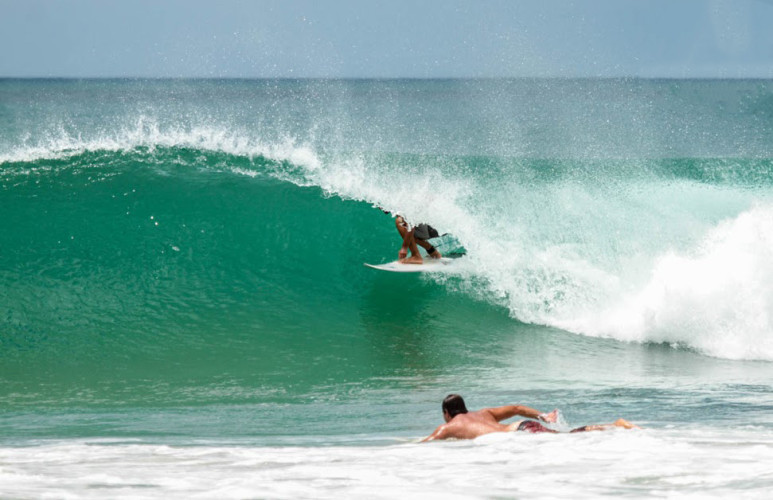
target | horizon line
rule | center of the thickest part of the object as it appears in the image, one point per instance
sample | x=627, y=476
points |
x=378, y=78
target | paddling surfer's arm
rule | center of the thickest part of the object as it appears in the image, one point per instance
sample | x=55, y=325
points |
x=505, y=412
x=440, y=433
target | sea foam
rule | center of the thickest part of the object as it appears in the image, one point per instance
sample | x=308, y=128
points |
x=717, y=299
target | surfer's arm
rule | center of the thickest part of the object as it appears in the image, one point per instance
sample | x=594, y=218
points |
x=440, y=433
x=403, y=253
x=405, y=233
x=407, y=237
x=505, y=412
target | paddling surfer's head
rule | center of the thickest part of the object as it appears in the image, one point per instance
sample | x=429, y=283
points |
x=453, y=405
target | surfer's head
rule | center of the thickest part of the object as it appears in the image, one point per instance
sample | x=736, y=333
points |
x=453, y=405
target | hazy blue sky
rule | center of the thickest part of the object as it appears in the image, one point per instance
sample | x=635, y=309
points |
x=397, y=38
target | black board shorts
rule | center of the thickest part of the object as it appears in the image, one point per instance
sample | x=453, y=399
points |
x=425, y=232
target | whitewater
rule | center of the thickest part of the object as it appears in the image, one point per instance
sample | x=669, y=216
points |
x=185, y=311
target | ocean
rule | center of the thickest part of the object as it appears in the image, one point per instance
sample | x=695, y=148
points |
x=185, y=313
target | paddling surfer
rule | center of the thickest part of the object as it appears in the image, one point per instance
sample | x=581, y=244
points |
x=464, y=424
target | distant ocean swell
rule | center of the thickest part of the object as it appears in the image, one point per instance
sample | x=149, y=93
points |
x=678, y=251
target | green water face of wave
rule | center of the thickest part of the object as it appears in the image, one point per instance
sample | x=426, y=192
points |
x=150, y=274
x=125, y=281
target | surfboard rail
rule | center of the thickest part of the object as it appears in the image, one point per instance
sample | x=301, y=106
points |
x=429, y=265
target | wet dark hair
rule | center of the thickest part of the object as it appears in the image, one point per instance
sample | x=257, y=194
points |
x=454, y=405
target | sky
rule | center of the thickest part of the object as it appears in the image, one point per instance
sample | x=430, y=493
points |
x=386, y=39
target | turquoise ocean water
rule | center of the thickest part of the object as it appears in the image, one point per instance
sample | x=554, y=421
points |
x=184, y=308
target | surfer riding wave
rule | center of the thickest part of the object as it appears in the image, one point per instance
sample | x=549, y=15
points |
x=414, y=237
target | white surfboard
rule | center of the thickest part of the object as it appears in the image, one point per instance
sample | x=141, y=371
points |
x=429, y=265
